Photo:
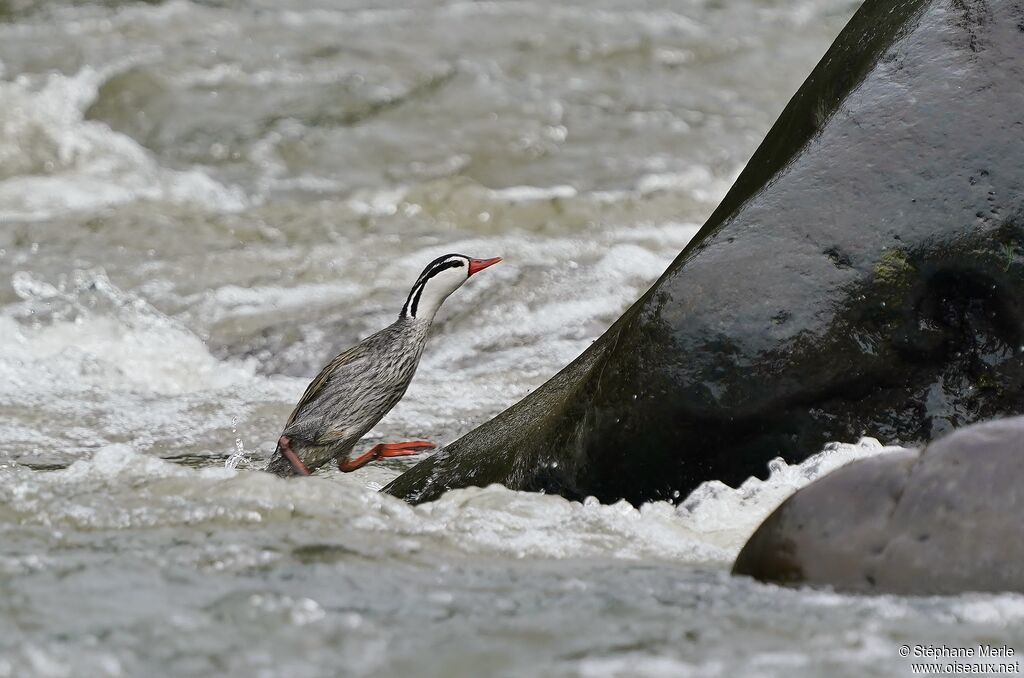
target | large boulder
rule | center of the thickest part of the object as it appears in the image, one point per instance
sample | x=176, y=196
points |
x=944, y=520
x=863, y=276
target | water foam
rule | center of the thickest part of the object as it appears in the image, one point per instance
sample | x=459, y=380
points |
x=140, y=491
x=85, y=365
x=710, y=526
x=85, y=334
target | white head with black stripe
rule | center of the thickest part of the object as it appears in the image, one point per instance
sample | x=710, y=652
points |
x=439, y=279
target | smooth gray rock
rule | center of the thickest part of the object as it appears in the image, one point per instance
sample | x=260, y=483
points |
x=864, y=276
x=944, y=520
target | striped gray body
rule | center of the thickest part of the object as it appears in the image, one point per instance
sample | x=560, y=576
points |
x=361, y=385
x=352, y=394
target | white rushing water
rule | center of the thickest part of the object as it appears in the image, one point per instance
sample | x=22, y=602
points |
x=201, y=202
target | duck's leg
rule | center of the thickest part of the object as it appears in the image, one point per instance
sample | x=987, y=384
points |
x=285, y=443
x=382, y=450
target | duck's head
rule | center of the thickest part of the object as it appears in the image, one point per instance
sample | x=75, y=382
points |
x=440, y=278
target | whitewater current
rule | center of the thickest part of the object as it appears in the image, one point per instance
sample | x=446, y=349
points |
x=201, y=202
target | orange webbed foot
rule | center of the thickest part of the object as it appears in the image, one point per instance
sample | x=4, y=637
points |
x=384, y=450
x=405, y=449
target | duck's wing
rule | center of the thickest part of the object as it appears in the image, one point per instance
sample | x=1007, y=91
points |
x=349, y=362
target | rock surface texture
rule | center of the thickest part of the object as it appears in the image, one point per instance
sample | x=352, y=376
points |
x=944, y=520
x=863, y=276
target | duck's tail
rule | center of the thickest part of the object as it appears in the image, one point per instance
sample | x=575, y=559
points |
x=285, y=462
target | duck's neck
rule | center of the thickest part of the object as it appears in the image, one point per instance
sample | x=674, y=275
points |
x=412, y=334
x=423, y=302
x=418, y=326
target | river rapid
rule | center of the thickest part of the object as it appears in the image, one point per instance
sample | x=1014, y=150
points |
x=202, y=202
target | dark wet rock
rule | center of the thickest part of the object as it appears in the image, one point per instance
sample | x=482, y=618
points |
x=944, y=520
x=863, y=276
